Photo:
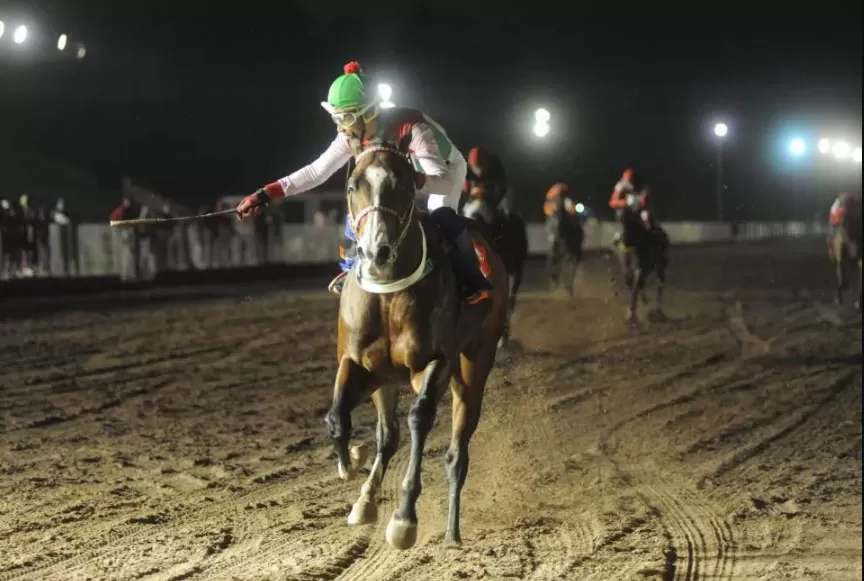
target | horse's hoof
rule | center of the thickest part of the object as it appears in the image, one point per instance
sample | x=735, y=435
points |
x=363, y=512
x=401, y=534
x=359, y=455
x=346, y=473
x=452, y=540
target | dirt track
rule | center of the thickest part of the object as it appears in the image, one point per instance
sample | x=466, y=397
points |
x=186, y=441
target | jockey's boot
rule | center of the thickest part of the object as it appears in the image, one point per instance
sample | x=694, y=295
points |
x=468, y=266
x=347, y=254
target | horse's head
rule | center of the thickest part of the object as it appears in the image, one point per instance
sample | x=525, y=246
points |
x=381, y=192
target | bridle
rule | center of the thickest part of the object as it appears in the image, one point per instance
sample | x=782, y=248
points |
x=404, y=219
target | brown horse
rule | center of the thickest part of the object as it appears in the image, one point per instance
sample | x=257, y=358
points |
x=844, y=248
x=401, y=318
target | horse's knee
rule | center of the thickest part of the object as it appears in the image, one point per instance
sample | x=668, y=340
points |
x=422, y=414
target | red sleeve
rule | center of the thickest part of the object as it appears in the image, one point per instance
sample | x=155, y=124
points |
x=117, y=214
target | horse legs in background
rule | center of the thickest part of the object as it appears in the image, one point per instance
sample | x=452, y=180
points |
x=365, y=510
x=467, y=401
x=429, y=385
x=638, y=277
x=553, y=263
x=514, y=281
x=349, y=390
x=860, y=284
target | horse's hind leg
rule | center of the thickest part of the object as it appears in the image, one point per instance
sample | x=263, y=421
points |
x=661, y=283
x=429, y=385
x=467, y=400
x=349, y=389
x=365, y=510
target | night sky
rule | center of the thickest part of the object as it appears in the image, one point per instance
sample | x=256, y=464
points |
x=199, y=99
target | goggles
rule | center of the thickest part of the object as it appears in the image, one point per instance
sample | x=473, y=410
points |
x=349, y=118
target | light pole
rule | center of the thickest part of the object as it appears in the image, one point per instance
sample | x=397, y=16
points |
x=720, y=131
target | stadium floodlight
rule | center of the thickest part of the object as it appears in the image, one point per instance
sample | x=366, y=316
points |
x=541, y=129
x=2, y=28
x=61, y=42
x=20, y=35
x=721, y=129
x=841, y=150
x=797, y=147
x=824, y=145
x=542, y=116
x=856, y=155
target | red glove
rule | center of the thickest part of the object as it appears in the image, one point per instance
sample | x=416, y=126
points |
x=254, y=205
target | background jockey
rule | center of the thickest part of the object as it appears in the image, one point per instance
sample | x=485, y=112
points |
x=486, y=179
x=558, y=202
x=629, y=206
x=838, y=211
x=440, y=167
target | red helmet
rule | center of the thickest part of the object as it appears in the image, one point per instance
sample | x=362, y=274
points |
x=556, y=191
x=477, y=156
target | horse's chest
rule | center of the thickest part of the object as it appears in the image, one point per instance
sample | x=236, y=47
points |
x=388, y=335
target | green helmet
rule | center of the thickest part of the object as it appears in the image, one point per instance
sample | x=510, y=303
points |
x=347, y=91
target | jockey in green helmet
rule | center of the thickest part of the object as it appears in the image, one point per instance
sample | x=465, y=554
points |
x=440, y=167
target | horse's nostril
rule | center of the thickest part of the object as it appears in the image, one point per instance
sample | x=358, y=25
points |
x=382, y=255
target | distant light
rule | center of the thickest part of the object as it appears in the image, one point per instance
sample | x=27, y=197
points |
x=824, y=145
x=61, y=42
x=387, y=104
x=841, y=150
x=797, y=147
x=542, y=116
x=580, y=208
x=856, y=155
x=385, y=91
x=2, y=28
x=20, y=34
x=541, y=129
x=81, y=52
x=721, y=129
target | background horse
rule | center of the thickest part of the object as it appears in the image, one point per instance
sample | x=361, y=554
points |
x=640, y=252
x=510, y=238
x=566, y=236
x=844, y=248
x=402, y=318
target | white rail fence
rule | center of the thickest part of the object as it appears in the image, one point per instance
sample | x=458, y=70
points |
x=99, y=247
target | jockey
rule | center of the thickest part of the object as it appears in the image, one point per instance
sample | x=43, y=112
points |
x=627, y=203
x=838, y=211
x=440, y=167
x=558, y=200
x=486, y=179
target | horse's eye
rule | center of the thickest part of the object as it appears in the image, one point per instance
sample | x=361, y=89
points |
x=352, y=187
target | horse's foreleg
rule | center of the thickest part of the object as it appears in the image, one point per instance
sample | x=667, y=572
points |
x=841, y=279
x=429, y=384
x=638, y=281
x=467, y=400
x=347, y=392
x=365, y=510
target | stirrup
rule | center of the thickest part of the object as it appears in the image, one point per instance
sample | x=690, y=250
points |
x=335, y=285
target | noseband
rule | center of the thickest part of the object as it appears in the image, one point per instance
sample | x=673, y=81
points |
x=404, y=219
